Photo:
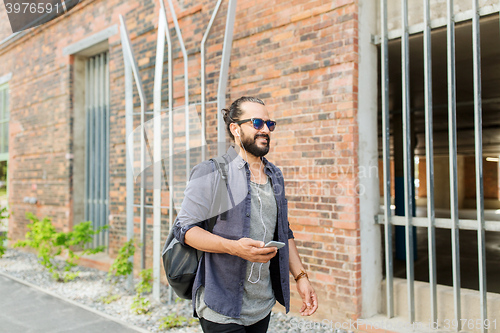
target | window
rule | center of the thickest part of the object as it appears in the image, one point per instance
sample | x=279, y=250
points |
x=97, y=144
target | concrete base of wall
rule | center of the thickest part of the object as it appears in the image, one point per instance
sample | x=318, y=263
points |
x=470, y=304
x=100, y=261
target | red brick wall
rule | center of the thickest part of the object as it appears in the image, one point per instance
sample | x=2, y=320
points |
x=301, y=57
x=5, y=29
x=40, y=146
x=490, y=178
x=422, y=177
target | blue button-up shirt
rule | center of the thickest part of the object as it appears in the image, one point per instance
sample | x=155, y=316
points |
x=222, y=274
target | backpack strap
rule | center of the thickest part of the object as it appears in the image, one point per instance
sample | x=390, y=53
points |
x=222, y=191
x=220, y=164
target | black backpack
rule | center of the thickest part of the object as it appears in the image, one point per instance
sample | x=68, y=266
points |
x=181, y=262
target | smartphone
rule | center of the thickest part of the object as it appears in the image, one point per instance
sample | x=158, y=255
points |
x=279, y=245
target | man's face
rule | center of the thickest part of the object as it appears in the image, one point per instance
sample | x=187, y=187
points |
x=255, y=142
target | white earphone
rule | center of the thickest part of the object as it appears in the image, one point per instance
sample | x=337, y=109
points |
x=237, y=133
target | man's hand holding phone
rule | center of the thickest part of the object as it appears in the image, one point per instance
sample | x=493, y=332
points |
x=278, y=245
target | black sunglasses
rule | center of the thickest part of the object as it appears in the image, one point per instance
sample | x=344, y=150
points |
x=258, y=123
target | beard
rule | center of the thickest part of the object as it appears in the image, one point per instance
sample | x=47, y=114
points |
x=253, y=148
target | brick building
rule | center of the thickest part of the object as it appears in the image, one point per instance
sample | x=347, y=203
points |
x=313, y=62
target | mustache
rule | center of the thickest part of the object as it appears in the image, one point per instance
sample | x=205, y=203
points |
x=262, y=136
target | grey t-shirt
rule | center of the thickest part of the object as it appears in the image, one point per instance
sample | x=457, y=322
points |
x=258, y=297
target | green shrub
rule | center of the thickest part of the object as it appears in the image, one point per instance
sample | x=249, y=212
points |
x=140, y=304
x=122, y=266
x=49, y=243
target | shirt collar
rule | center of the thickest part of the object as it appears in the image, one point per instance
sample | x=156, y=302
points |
x=234, y=157
x=240, y=162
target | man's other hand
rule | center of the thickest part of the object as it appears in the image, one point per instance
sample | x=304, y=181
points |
x=308, y=295
x=253, y=250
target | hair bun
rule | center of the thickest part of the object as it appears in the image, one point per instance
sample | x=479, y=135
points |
x=225, y=115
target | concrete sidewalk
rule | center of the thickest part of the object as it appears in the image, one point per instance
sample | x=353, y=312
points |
x=28, y=309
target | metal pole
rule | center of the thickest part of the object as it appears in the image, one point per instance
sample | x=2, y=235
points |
x=129, y=123
x=478, y=132
x=160, y=51
x=129, y=58
x=453, y=158
x=429, y=154
x=170, y=137
x=384, y=68
x=143, y=196
x=186, y=86
x=405, y=61
x=203, y=81
x=224, y=71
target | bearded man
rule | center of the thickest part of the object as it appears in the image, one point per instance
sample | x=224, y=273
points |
x=239, y=280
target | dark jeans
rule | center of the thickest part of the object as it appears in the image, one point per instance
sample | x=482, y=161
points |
x=258, y=327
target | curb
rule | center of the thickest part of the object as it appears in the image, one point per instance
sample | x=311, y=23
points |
x=85, y=307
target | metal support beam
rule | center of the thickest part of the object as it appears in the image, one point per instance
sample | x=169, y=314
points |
x=163, y=31
x=203, y=82
x=429, y=153
x=407, y=162
x=452, y=130
x=186, y=86
x=129, y=123
x=130, y=62
x=160, y=51
x=384, y=68
x=478, y=132
x=443, y=223
x=224, y=71
x=442, y=22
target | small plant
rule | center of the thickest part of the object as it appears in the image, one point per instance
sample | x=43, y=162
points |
x=109, y=298
x=140, y=304
x=122, y=266
x=172, y=321
x=49, y=243
x=3, y=215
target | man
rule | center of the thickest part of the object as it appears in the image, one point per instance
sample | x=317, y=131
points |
x=239, y=280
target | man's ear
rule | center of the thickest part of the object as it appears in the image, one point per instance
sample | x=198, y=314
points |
x=234, y=129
